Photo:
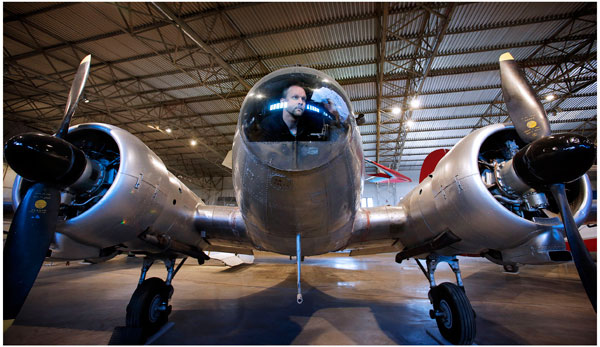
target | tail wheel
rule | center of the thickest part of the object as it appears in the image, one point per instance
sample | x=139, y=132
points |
x=148, y=308
x=453, y=313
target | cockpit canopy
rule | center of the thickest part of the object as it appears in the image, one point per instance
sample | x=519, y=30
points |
x=296, y=104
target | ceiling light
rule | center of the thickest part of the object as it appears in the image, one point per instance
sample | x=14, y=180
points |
x=550, y=97
x=168, y=130
x=396, y=110
x=410, y=123
x=193, y=142
x=260, y=96
x=414, y=103
x=325, y=80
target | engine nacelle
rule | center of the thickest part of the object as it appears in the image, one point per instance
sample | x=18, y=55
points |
x=463, y=196
x=131, y=192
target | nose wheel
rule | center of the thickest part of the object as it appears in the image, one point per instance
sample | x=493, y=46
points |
x=452, y=310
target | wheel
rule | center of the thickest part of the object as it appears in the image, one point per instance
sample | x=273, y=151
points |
x=511, y=268
x=148, y=308
x=453, y=313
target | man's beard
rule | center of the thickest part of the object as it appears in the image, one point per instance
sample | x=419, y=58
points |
x=297, y=112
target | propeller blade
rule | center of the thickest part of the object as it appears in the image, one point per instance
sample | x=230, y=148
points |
x=581, y=257
x=27, y=243
x=524, y=108
x=74, y=95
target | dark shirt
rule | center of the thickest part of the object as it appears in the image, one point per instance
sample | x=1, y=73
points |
x=275, y=129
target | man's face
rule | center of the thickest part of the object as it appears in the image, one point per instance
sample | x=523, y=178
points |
x=296, y=100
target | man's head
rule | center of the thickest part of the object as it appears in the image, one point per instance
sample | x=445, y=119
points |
x=295, y=97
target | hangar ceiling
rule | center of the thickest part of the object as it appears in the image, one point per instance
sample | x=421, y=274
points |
x=186, y=67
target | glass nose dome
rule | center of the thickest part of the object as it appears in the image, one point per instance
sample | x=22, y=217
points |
x=296, y=118
x=295, y=104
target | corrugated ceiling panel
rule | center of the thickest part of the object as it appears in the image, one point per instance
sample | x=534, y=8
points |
x=485, y=39
x=369, y=146
x=221, y=118
x=567, y=127
x=579, y=102
x=364, y=106
x=486, y=95
x=592, y=88
x=17, y=31
x=27, y=7
x=406, y=23
x=471, y=80
x=295, y=41
x=568, y=115
x=445, y=133
x=270, y=16
x=212, y=106
x=185, y=9
x=189, y=92
x=147, y=66
x=369, y=138
x=368, y=129
x=361, y=90
x=449, y=111
x=479, y=14
x=80, y=21
x=13, y=47
x=351, y=72
x=226, y=129
x=480, y=58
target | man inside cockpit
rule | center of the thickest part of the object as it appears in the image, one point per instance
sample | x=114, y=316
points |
x=290, y=125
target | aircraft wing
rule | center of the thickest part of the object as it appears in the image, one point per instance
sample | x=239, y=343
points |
x=378, y=230
x=222, y=228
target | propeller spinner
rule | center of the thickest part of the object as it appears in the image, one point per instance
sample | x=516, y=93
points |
x=548, y=162
x=52, y=163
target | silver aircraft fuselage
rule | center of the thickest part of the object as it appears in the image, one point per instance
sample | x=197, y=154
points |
x=279, y=201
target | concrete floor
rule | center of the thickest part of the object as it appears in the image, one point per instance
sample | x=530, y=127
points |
x=364, y=300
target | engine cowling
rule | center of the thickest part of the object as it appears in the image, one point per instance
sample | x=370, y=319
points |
x=465, y=196
x=130, y=191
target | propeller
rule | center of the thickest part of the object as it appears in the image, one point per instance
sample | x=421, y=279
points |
x=51, y=163
x=548, y=161
x=524, y=109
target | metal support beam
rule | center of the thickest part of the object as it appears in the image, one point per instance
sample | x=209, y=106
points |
x=189, y=32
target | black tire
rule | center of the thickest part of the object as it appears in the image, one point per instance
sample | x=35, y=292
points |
x=142, y=308
x=457, y=325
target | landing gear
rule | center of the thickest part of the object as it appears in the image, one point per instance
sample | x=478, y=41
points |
x=452, y=310
x=149, y=309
